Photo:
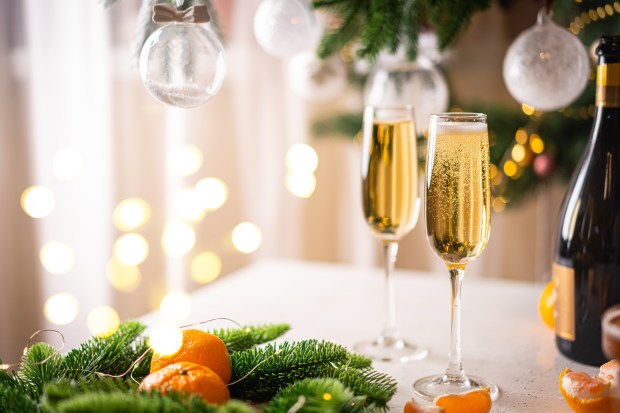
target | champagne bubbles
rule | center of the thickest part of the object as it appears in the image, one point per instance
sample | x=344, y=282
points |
x=182, y=64
x=546, y=67
x=286, y=27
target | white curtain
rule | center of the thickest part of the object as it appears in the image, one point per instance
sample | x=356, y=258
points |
x=67, y=83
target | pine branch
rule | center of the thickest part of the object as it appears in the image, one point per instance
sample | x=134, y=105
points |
x=383, y=28
x=240, y=339
x=353, y=16
x=310, y=395
x=62, y=390
x=276, y=366
x=40, y=364
x=379, y=388
x=111, y=355
x=14, y=396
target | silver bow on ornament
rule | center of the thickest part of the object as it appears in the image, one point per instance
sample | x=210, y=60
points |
x=165, y=13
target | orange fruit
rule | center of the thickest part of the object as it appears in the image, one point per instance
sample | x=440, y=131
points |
x=189, y=378
x=201, y=348
x=584, y=393
x=546, y=305
x=413, y=407
x=473, y=401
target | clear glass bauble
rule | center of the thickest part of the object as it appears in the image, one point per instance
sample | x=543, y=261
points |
x=286, y=27
x=546, y=66
x=182, y=64
x=419, y=84
x=315, y=80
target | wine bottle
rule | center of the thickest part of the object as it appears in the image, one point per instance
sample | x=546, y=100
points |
x=586, y=266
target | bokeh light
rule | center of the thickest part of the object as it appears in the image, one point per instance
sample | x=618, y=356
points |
x=131, y=213
x=527, y=109
x=247, y=237
x=175, y=306
x=518, y=153
x=124, y=278
x=188, y=206
x=57, y=257
x=67, y=164
x=212, y=193
x=102, y=321
x=301, y=185
x=178, y=239
x=510, y=169
x=61, y=308
x=37, y=201
x=206, y=267
x=185, y=160
x=521, y=136
x=131, y=249
x=536, y=143
x=302, y=158
x=166, y=339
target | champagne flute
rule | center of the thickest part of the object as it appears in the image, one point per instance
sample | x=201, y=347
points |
x=391, y=208
x=457, y=225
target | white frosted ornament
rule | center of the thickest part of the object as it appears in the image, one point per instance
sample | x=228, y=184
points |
x=546, y=67
x=315, y=80
x=286, y=27
x=418, y=84
x=182, y=64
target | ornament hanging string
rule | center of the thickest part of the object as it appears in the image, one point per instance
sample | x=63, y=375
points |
x=165, y=13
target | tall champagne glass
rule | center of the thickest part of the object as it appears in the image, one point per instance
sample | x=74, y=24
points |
x=391, y=208
x=457, y=225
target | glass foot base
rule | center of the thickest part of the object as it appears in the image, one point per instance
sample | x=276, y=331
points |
x=392, y=350
x=432, y=386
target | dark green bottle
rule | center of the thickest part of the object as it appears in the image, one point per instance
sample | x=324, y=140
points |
x=586, y=265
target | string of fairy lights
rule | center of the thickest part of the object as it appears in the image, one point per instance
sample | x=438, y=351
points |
x=178, y=239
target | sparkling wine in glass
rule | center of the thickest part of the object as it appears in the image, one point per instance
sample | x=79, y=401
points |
x=457, y=225
x=391, y=208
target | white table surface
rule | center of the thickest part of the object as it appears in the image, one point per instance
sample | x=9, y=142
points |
x=503, y=338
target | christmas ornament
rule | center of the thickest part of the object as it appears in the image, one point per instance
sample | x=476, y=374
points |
x=182, y=64
x=313, y=79
x=286, y=27
x=418, y=84
x=546, y=66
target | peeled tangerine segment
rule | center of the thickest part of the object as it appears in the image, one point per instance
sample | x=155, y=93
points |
x=590, y=394
x=413, y=407
x=474, y=401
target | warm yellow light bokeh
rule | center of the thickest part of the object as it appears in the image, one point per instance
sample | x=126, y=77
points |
x=67, y=164
x=536, y=144
x=527, y=109
x=178, y=239
x=521, y=136
x=510, y=169
x=247, y=237
x=301, y=158
x=131, y=249
x=185, y=160
x=37, y=201
x=188, y=206
x=131, y=213
x=61, y=308
x=166, y=339
x=56, y=257
x=175, y=306
x=301, y=185
x=206, y=267
x=102, y=321
x=212, y=193
x=124, y=278
x=518, y=153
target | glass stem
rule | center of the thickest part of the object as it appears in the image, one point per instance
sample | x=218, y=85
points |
x=455, y=371
x=390, y=251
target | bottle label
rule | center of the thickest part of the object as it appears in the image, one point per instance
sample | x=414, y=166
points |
x=564, y=282
x=608, y=85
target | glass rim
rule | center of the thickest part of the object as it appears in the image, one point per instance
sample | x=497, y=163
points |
x=388, y=106
x=459, y=117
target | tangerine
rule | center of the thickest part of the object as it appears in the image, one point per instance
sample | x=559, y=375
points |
x=584, y=393
x=546, y=305
x=201, y=348
x=473, y=401
x=189, y=378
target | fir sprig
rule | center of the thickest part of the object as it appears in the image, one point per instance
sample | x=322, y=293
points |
x=317, y=396
x=266, y=370
x=386, y=24
x=249, y=336
x=378, y=388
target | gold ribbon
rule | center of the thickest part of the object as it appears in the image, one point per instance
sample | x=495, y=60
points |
x=165, y=13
